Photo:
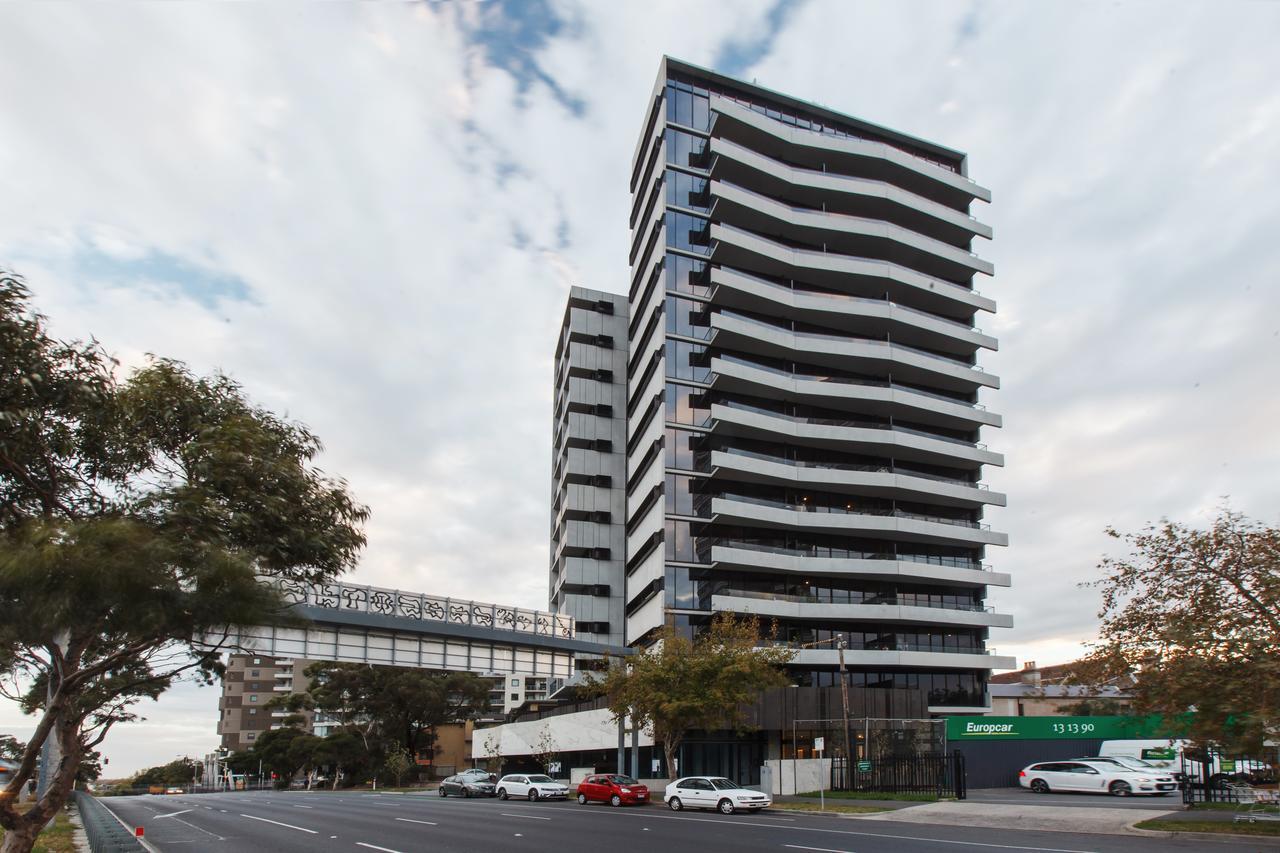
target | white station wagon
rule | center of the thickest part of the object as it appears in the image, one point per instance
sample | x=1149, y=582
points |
x=1098, y=777
x=531, y=786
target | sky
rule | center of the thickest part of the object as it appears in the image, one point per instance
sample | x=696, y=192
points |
x=370, y=216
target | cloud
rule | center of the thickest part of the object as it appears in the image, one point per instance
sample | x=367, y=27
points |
x=370, y=215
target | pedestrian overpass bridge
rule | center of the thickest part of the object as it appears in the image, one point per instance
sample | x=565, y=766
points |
x=367, y=624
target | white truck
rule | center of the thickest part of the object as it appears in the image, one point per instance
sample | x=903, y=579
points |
x=1179, y=757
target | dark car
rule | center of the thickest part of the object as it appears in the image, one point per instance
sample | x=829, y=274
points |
x=613, y=789
x=468, y=783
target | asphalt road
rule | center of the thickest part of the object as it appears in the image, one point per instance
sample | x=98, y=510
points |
x=299, y=822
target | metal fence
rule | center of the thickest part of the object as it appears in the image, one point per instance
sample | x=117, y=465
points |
x=1210, y=777
x=106, y=834
x=939, y=774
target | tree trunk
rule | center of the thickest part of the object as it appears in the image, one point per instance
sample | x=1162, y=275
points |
x=20, y=840
x=670, y=747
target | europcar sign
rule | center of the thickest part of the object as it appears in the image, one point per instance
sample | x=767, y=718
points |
x=1055, y=728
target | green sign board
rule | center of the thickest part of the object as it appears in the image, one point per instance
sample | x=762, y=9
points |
x=1056, y=728
x=864, y=766
x=1227, y=765
x=1163, y=753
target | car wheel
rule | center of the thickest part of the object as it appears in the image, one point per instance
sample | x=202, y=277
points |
x=725, y=806
x=615, y=800
x=502, y=793
x=442, y=791
x=1040, y=786
x=1120, y=789
x=674, y=804
x=533, y=795
x=466, y=792
x=582, y=799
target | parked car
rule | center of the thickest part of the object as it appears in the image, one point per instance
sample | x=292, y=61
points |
x=532, y=786
x=613, y=789
x=1131, y=763
x=1176, y=755
x=479, y=773
x=469, y=783
x=713, y=792
x=173, y=790
x=1095, y=777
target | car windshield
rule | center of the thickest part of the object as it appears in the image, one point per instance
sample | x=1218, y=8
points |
x=623, y=780
x=724, y=784
x=1136, y=762
x=539, y=778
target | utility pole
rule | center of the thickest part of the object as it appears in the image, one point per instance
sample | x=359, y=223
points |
x=844, y=707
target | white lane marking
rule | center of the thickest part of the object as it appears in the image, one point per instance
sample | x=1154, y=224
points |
x=427, y=822
x=527, y=816
x=174, y=814
x=304, y=807
x=278, y=823
x=864, y=834
x=376, y=847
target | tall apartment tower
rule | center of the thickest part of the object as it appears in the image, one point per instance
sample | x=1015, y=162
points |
x=589, y=465
x=804, y=430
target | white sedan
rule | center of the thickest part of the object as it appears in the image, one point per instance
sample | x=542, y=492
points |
x=1098, y=777
x=531, y=786
x=713, y=792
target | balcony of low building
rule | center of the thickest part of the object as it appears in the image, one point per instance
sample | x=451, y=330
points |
x=875, y=199
x=741, y=333
x=864, y=479
x=751, y=556
x=859, y=315
x=853, y=434
x=858, y=236
x=867, y=277
x=899, y=525
x=882, y=398
x=863, y=158
x=793, y=608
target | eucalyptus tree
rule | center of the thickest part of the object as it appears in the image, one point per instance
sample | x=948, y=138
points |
x=138, y=514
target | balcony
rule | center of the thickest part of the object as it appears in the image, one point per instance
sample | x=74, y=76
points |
x=866, y=479
x=751, y=556
x=796, y=608
x=853, y=434
x=863, y=659
x=731, y=373
x=855, y=314
x=861, y=157
x=873, y=198
x=900, y=525
x=741, y=333
x=737, y=247
x=843, y=233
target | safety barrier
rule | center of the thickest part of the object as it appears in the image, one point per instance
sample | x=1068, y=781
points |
x=105, y=832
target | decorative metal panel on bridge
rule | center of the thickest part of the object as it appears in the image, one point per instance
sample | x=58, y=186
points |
x=368, y=624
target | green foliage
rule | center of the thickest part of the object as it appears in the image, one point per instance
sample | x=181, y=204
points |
x=680, y=685
x=136, y=515
x=398, y=762
x=1194, y=616
x=398, y=705
x=178, y=772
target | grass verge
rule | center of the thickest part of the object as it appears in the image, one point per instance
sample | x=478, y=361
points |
x=872, y=795
x=833, y=808
x=58, y=837
x=1221, y=827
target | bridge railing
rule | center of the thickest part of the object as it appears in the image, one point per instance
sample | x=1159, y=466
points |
x=427, y=608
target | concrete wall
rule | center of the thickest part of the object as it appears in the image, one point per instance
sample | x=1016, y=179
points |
x=585, y=730
x=799, y=775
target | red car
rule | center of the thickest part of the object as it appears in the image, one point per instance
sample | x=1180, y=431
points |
x=612, y=789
